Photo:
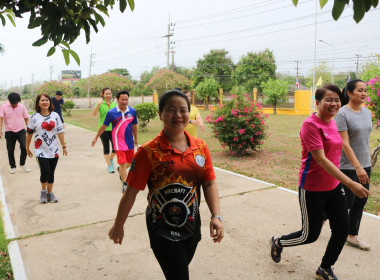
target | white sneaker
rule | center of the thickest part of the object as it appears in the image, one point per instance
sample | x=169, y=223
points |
x=356, y=242
x=25, y=168
x=13, y=171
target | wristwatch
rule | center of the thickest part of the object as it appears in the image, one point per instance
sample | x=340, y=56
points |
x=217, y=216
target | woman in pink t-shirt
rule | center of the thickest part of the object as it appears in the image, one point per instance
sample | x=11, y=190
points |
x=319, y=178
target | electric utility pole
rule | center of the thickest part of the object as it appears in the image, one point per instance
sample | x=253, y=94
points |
x=92, y=63
x=51, y=72
x=173, y=52
x=168, y=35
x=357, y=65
x=297, y=68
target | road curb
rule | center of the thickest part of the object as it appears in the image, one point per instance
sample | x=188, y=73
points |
x=13, y=249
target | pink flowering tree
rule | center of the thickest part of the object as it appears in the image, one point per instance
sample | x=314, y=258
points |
x=113, y=81
x=239, y=124
x=373, y=99
x=50, y=88
x=165, y=80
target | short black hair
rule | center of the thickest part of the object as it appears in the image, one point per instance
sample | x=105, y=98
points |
x=320, y=93
x=122, y=92
x=14, y=98
x=59, y=93
x=169, y=94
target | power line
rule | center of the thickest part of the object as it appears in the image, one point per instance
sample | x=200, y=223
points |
x=242, y=16
x=236, y=10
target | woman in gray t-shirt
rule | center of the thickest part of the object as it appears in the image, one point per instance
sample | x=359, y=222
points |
x=354, y=124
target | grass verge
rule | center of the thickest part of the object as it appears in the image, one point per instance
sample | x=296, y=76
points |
x=5, y=263
x=277, y=161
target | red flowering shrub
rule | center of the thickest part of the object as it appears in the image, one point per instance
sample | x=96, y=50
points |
x=239, y=124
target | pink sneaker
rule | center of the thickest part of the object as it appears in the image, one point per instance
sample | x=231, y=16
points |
x=356, y=242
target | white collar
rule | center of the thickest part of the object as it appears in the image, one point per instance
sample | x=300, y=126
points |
x=118, y=109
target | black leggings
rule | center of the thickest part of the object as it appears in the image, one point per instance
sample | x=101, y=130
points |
x=174, y=257
x=313, y=205
x=355, y=204
x=47, y=168
x=106, y=138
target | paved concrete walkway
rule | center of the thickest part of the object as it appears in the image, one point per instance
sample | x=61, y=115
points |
x=68, y=240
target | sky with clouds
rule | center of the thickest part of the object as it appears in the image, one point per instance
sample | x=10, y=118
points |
x=134, y=40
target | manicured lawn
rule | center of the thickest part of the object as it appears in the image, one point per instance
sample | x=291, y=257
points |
x=277, y=162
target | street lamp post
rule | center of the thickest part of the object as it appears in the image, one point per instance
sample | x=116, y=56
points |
x=332, y=74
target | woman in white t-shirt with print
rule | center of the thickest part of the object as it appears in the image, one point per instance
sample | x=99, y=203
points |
x=46, y=125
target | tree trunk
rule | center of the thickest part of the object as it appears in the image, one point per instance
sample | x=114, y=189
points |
x=274, y=110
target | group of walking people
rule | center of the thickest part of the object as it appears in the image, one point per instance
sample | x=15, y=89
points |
x=176, y=166
x=334, y=174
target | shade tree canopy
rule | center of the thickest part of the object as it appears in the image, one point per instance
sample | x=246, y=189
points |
x=209, y=87
x=255, y=68
x=61, y=21
x=360, y=7
x=217, y=64
x=275, y=92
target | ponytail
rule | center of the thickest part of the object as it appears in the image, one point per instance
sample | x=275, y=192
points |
x=345, y=97
x=350, y=86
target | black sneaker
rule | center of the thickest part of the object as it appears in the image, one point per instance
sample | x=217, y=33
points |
x=325, y=274
x=275, y=250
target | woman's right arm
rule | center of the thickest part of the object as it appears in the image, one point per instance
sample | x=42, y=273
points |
x=96, y=109
x=27, y=144
x=362, y=174
x=116, y=233
x=320, y=157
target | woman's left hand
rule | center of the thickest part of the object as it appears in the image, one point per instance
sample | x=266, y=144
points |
x=64, y=150
x=362, y=176
x=216, y=230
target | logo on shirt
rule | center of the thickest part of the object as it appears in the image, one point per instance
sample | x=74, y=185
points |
x=167, y=163
x=342, y=190
x=325, y=134
x=200, y=160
